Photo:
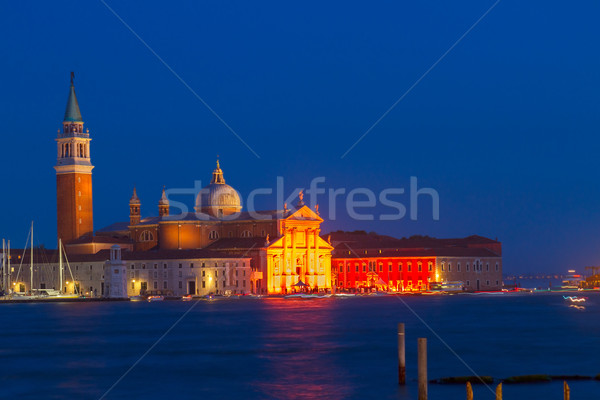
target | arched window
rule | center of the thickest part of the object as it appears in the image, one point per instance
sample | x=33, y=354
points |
x=213, y=235
x=246, y=234
x=146, y=236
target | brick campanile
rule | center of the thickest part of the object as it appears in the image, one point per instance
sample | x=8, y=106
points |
x=73, y=175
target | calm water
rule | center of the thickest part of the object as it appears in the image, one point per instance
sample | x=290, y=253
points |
x=287, y=349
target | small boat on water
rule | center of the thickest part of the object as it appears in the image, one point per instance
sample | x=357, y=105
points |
x=447, y=287
x=572, y=281
x=344, y=295
x=187, y=298
x=307, y=296
x=156, y=298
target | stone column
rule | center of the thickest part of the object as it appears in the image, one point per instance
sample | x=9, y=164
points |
x=316, y=252
x=293, y=263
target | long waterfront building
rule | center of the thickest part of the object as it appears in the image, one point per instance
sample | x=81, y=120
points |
x=221, y=248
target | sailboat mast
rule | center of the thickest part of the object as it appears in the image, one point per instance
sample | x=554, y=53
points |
x=60, y=264
x=8, y=268
x=3, y=265
x=31, y=262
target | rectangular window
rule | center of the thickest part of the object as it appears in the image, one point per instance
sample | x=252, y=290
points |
x=132, y=285
x=487, y=283
x=487, y=267
x=180, y=265
x=496, y=270
x=458, y=267
x=164, y=266
x=192, y=265
x=203, y=273
x=380, y=267
x=399, y=267
x=243, y=283
x=155, y=275
x=164, y=284
x=132, y=266
x=468, y=283
x=409, y=267
x=364, y=268
x=155, y=266
x=430, y=267
x=203, y=284
x=449, y=267
x=420, y=268
x=390, y=267
x=180, y=274
x=467, y=267
x=155, y=285
x=496, y=282
x=341, y=269
x=356, y=267
x=143, y=266
x=443, y=267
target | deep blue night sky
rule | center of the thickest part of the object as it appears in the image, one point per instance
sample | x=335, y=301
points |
x=504, y=128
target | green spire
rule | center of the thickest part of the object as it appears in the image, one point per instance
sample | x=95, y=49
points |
x=72, y=114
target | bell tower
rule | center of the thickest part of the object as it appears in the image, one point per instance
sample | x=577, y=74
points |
x=163, y=205
x=134, y=209
x=73, y=175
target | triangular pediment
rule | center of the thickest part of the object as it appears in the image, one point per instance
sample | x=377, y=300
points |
x=305, y=214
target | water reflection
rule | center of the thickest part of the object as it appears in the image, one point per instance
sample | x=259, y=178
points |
x=299, y=350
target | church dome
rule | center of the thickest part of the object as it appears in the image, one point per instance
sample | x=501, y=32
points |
x=218, y=199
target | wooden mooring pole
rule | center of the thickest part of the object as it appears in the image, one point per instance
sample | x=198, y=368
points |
x=401, y=355
x=567, y=390
x=422, y=365
x=469, y=391
x=499, y=392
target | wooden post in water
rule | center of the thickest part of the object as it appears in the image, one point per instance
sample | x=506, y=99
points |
x=567, y=390
x=469, y=391
x=401, y=356
x=422, y=365
x=499, y=392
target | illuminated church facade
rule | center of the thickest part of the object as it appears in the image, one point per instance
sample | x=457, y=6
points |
x=284, y=246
